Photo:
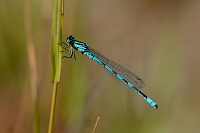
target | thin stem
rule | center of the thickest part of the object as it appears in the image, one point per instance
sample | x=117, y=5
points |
x=95, y=126
x=53, y=104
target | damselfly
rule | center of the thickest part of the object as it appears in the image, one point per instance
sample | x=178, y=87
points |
x=123, y=75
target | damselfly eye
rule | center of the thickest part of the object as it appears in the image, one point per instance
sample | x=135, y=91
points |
x=70, y=39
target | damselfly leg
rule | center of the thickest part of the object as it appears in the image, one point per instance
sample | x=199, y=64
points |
x=69, y=50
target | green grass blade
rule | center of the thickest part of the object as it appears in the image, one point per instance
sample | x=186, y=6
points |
x=56, y=40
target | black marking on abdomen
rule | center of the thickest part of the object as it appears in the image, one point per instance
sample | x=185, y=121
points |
x=142, y=94
x=125, y=81
x=114, y=73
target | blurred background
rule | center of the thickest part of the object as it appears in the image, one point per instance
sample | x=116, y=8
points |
x=156, y=39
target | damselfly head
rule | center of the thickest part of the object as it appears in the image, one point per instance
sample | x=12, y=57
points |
x=70, y=39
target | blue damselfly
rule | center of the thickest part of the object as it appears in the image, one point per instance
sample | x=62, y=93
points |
x=127, y=78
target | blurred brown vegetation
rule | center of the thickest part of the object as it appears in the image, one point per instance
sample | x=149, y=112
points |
x=156, y=39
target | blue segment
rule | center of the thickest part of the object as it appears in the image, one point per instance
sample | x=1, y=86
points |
x=108, y=68
x=130, y=84
x=149, y=100
x=80, y=46
x=154, y=105
x=94, y=58
x=89, y=55
x=125, y=76
x=119, y=76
